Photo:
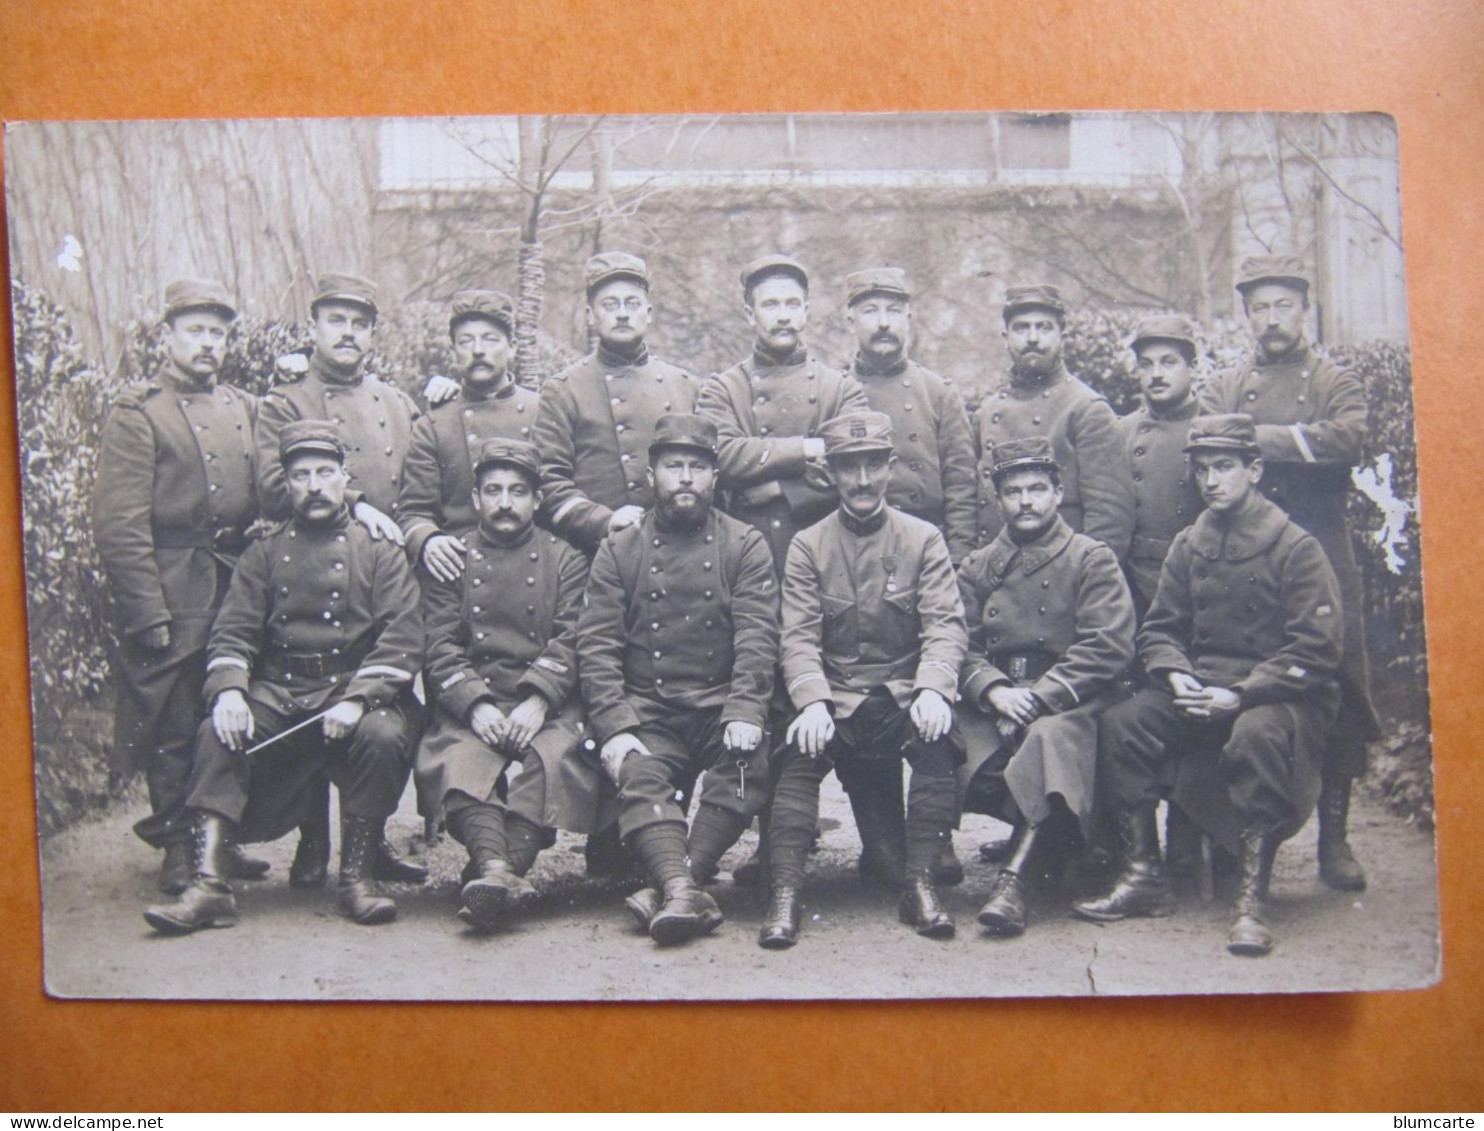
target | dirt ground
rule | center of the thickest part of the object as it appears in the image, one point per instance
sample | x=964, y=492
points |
x=579, y=943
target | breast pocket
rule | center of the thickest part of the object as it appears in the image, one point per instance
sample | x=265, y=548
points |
x=840, y=635
x=903, y=626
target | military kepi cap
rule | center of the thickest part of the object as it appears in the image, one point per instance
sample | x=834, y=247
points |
x=888, y=281
x=500, y=452
x=341, y=287
x=1165, y=328
x=1027, y=296
x=853, y=432
x=774, y=263
x=198, y=294
x=493, y=306
x=684, y=430
x=609, y=265
x=1025, y=453
x=1227, y=431
x=1286, y=269
x=317, y=437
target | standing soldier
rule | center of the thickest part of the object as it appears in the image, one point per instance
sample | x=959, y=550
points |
x=1051, y=630
x=873, y=639
x=173, y=502
x=437, y=504
x=596, y=419
x=677, y=646
x=769, y=410
x=1242, y=648
x=374, y=421
x=1311, y=425
x=309, y=671
x=1166, y=499
x=504, y=673
x=1042, y=399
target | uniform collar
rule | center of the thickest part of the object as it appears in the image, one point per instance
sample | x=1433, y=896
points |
x=340, y=522
x=1055, y=377
x=172, y=378
x=330, y=377
x=611, y=358
x=1187, y=411
x=1303, y=354
x=766, y=360
x=1241, y=538
x=495, y=390
x=489, y=543
x=660, y=526
x=861, y=527
x=869, y=365
x=1005, y=554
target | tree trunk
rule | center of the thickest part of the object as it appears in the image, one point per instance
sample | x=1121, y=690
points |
x=531, y=274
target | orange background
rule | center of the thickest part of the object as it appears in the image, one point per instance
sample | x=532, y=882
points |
x=1420, y=61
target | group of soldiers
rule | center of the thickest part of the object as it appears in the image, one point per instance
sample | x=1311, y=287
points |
x=637, y=593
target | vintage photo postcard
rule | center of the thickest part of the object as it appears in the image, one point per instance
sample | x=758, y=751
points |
x=722, y=557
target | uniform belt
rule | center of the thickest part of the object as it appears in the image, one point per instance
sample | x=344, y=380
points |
x=309, y=665
x=1023, y=665
x=224, y=539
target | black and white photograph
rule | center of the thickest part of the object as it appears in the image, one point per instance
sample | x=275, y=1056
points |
x=787, y=556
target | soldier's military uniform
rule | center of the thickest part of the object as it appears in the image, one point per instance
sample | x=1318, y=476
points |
x=935, y=475
x=1166, y=498
x=595, y=422
x=1311, y=425
x=764, y=409
x=437, y=479
x=1247, y=601
x=373, y=418
x=871, y=618
x=1053, y=615
x=678, y=637
x=503, y=631
x=1097, y=495
x=317, y=613
x=174, y=498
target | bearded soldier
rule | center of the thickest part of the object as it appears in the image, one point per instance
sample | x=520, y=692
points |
x=1311, y=426
x=173, y=503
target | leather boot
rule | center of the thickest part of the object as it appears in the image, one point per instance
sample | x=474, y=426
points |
x=178, y=868
x=1249, y=935
x=1141, y=888
x=920, y=908
x=947, y=871
x=311, y=866
x=1005, y=912
x=207, y=900
x=687, y=912
x=390, y=867
x=781, y=921
x=1337, y=864
x=359, y=837
x=245, y=867
x=646, y=903
x=491, y=895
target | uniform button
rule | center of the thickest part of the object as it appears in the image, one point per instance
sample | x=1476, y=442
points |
x=1301, y=398
x=708, y=594
x=764, y=430
x=633, y=485
x=531, y=609
x=534, y=555
x=340, y=537
x=907, y=407
x=709, y=623
x=478, y=582
x=479, y=636
x=337, y=420
x=473, y=438
x=1040, y=640
x=624, y=457
x=216, y=487
x=338, y=565
x=609, y=377
x=914, y=497
x=991, y=612
x=657, y=653
x=1143, y=428
x=530, y=581
x=777, y=523
x=812, y=398
x=1252, y=396
x=912, y=435
x=520, y=408
x=762, y=398
x=654, y=569
x=1035, y=420
x=468, y=412
x=327, y=614
x=335, y=594
x=531, y=635
x=1138, y=477
x=1045, y=392
x=916, y=465
x=654, y=594
x=1045, y=584
x=525, y=430
x=285, y=557
x=1138, y=451
x=995, y=419
x=388, y=451
x=476, y=609
x=705, y=565
x=614, y=400
x=1043, y=610
x=656, y=542
x=711, y=655
x=210, y=458
x=284, y=591
x=654, y=626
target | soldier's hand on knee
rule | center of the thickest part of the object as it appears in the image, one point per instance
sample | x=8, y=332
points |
x=155, y=639
x=443, y=555
x=628, y=515
x=741, y=737
x=524, y=723
x=812, y=730
x=439, y=389
x=1210, y=703
x=1017, y=704
x=341, y=719
x=1184, y=685
x=377, y=524
x=488, y=723
x=232, y=720
x=616, y=749
x=931, y=715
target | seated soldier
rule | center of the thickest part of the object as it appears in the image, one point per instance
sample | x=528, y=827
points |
x=502, y=668
x=1051, y=628
x=677, y=645
x=1243, y=647
x=309, y=671
x=873, y=639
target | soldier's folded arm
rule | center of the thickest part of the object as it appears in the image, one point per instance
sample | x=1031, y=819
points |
x=743, y=459
x=1104, y=645
x=803, y=627
x=600, y=643
x=394, y=660
x=1313, y=631
x=122, y=505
